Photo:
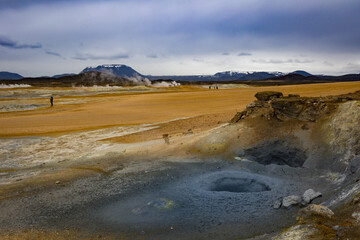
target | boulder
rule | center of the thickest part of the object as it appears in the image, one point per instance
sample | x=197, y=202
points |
x=314, y=210
x=268, y=95
x=310, y=195
x=291, y=200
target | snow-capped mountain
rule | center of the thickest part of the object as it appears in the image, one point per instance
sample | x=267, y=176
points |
x=230, y=75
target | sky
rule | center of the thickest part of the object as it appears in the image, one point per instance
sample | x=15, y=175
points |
x=180, y=37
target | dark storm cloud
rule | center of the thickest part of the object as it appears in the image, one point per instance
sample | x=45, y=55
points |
x=192, y=25
x=8, y=43
x=328, y=26
x=100, y=56
x=186, y=30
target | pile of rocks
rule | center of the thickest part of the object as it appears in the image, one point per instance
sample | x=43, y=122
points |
x=274, y=105
x=291, y=200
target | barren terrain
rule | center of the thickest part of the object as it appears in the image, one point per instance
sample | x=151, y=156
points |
x=165, y=163
x=123, y=109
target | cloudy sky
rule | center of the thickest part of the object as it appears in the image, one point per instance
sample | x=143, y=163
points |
x=159, y=37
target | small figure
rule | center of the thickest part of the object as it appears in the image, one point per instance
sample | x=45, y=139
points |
x=210, y=87
x=217, y=87
x=52, y=101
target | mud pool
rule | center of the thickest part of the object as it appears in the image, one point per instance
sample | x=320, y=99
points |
x=170, y=198
x=177, y=200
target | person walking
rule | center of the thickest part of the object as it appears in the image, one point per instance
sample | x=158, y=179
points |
x=52, y=101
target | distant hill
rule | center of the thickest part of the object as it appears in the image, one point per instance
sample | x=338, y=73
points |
x=295, y=77
x=230, y=76
x=343, y=78
x=63, y=75
x=10, y=76
x=301, y=72
x=118, y=70
x=313, y=78
x=300, y=79
x=221, y=76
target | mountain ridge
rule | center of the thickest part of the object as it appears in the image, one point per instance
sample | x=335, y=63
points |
x=10, y=76
x=126, y=72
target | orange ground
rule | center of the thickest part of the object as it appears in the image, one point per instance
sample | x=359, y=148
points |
x=208, y=108
x=140, y=108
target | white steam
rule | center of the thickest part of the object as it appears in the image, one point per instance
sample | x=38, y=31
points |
x=96, y=87
x=138, y=80
x=165, y=84
x=14, y=85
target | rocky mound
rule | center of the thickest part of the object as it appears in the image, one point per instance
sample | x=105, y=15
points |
x=118, y=70
x=98, y=78
x=274, y=105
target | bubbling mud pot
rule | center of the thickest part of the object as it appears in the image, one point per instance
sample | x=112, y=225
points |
x=215, y=199
x=233, y=184
x=221, y=200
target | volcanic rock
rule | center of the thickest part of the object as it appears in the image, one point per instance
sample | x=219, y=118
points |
x=268, y=95
x=291, y=200
x=310, y=195
x=273, y=105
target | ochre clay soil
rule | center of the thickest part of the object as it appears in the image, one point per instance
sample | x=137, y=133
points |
x=151, y=107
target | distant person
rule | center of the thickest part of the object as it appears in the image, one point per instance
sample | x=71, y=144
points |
x=217, y=87
x=209, y=87
x=52, y=101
